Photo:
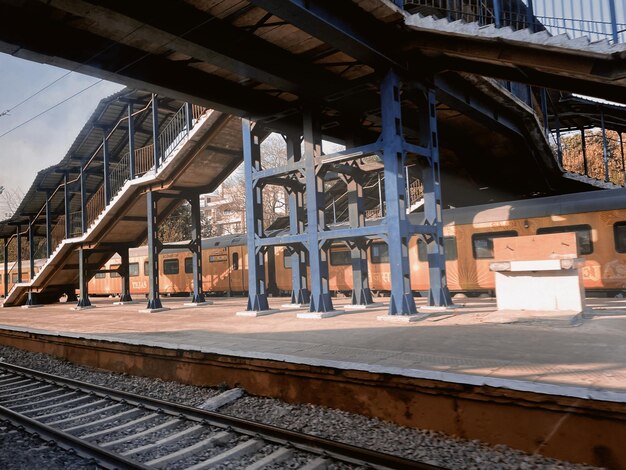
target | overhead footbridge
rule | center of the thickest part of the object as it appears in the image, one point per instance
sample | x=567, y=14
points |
x=93, y=204
x=463, y=94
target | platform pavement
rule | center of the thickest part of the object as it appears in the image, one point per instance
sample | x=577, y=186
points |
x=586, y=358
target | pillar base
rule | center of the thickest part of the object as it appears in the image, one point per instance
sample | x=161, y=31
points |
x=153, y=310
x=256, y=313
x=436, y=309
x=402, y=318
x=319, y=315
x=198, y=304
x=125, y=298
x=79, y=308
x=82, y=303
x=198, y=299
x=295, y=305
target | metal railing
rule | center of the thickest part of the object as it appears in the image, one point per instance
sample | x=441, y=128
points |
x=596, y=19
x=144, y=159
x=173, y=133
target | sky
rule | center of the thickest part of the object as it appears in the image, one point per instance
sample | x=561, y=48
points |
x=44, y=141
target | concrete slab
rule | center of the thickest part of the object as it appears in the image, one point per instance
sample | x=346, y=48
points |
x=32, y=306
x=253, y=313
x=88, y=307
x=153, y=310
x=206, y=303
x=464, y=346
x=319, y=315
x=363, y=307
x=401, y=318
x=129, y=302
x=295, y=306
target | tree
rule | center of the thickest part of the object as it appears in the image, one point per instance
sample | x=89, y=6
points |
x=177, y=226
x=594, y=150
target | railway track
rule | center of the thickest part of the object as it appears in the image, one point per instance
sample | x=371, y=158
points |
x=126, y=431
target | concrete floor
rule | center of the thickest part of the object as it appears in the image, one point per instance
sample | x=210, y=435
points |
x=583, y=357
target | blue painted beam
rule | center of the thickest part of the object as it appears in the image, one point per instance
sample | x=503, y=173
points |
x=154, y=299
x=353, y=233
x=106, y=171
x=318, y=253
x=83, y=278
x=283, y=170
x=283, y=240
x=83, y=200
x=155, y=132
x=48, y=226
x=299, y=286
x=438, y=295
x=125, y=273
x=19, y=253
x=196, y=249
x=401, y=301
x=350, y=154
x=131, y=142
x=257, y=289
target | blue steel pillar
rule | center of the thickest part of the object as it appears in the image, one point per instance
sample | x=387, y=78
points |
x=48, y=227
x=361, y=294
x=83, y=200
x=125, y=268
x=106, y=168
x=299, y=293
x=19, y=254
x=318, y=254
x=189, y=116
x=605, y=147
x=438, y=293
x=154, y=300
x=31, y=256
x=401, y=301
x=155, y=131
x=196, y=249
x=83, y=279
x=131, y=142
x=257, y=289
x=5, y=279
x=66, y=199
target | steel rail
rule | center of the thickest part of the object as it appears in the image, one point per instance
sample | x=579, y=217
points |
x=296, y=440
x=68, y=442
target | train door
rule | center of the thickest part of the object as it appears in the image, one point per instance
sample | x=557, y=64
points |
x=236, y=271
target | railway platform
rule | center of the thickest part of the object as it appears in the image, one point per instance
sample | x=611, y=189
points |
x=533, y=384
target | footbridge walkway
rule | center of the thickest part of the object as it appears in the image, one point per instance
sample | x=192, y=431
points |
x=477, y=92
x=93, y=204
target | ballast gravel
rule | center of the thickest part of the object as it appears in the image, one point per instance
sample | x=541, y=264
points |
x=427, y=446
x=20, y=450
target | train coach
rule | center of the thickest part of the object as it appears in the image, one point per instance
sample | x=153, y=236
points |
x=598, y=219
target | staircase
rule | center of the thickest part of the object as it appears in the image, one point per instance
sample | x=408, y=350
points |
x=194, y=158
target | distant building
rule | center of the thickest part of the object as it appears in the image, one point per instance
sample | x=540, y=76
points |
x=222, y=213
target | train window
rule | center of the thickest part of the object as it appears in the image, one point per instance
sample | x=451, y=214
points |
x=340, y=257
x=188, y=265
x=619, y=233
x=115, y=266
x=235, y=261
x=170, y=266
x=146, y=268
x=449, y=245
x=583, y=235
x=379, y=253
x=100, y=275
x=286, y=260
x=14, y=278
x=482, y=243
x=133, y=269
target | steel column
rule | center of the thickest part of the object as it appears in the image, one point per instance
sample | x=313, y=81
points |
x=48, y=227
x=614, y=29
x=497, y=13
x=318, y=254
x=154, y=300
x=605, y=147
x=196, y=244
x=530, y=16
x=31, y=256
x=189, y=116
x=125, y=268
x=131, y=141
x=106, y=168
x=438, y=294
x=19, y=254
x=5, y=279
x=361, y=294
x=401, y=301
x=66, y=195
x=299, y=291
x=155, y=131
x=83, y=200
x=257, y=293
x=83, y=278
